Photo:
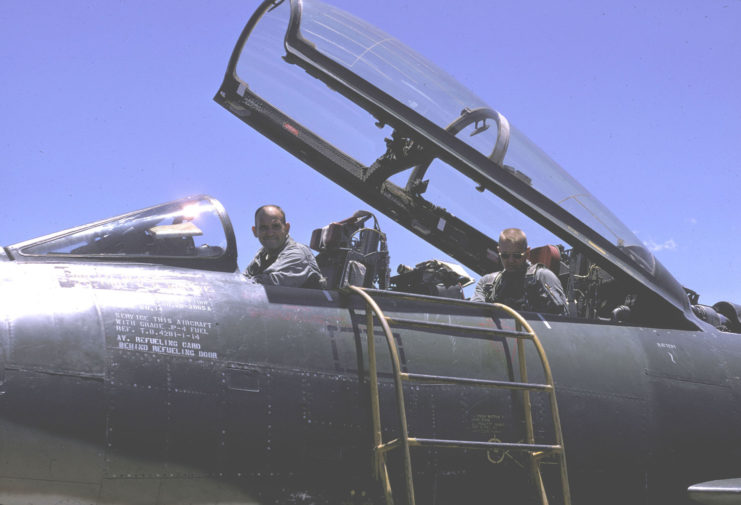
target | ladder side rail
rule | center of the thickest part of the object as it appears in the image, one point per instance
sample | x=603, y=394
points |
x=521, y=323
x=527, y=406
x=556, y=418
x=530, y=431
x=379, y=470
x=372, y=307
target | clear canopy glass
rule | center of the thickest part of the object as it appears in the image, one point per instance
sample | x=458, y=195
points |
x=342, y=79
x=190, y=228
x=417, y=83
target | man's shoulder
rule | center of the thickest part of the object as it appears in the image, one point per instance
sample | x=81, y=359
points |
x=489, y=278
x=256, y=259
x=542, y=272
x=484, y=287
x=293, y=246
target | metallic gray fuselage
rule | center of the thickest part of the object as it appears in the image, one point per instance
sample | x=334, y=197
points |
x=138, y=384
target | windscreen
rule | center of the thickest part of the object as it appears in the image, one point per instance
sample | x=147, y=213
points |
x=182, y=229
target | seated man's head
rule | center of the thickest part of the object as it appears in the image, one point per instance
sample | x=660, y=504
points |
x=270, y=227
x=513, y=250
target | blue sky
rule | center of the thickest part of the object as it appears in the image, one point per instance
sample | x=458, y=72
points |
x=107, y=107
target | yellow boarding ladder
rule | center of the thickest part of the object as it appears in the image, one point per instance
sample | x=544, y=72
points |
x=523, y=331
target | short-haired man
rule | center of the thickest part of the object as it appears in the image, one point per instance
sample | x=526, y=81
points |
x=520, y=284
x=282, y=261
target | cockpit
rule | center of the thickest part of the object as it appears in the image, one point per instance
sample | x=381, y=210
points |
x=387, y=125
x=196, y=233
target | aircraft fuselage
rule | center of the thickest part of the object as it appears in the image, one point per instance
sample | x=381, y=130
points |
x=145, y=384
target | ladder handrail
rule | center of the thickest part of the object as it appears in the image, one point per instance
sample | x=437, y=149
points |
x=396, y=367
x=380, y=448
x=521, y=322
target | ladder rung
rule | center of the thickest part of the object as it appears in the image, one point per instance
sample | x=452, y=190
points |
x=484, y=307
x=471, y=444
x=475, y=382
x=476, y=330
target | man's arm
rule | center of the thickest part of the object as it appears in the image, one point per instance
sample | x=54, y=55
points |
x=553, y=297
x=479, y=294
x=253, y=267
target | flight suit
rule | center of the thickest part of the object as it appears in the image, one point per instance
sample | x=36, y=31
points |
x=291, y=265
x=537, y=290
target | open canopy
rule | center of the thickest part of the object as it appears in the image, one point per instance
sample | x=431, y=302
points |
x=375, y=117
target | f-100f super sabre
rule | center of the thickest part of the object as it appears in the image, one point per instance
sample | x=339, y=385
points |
x=139, y=366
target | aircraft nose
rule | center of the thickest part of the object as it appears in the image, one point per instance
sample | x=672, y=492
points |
x=4, y=343
x=3, y=353
x=3, y=348
x=4, y=333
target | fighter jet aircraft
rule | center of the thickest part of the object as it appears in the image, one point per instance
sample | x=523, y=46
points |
x=139, y=366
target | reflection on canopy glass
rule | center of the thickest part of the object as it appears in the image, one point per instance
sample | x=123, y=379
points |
x=179, y=229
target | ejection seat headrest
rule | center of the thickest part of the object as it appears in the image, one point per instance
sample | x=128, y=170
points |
x=548, y=255
x=732, y=311
x=338, y=235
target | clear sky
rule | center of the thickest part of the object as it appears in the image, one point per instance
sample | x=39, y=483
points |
x=106, y=106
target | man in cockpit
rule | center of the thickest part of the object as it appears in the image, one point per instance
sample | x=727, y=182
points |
x=520, y=284
x=282, y=261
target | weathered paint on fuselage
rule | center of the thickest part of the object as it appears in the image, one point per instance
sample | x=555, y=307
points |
x=138, y=384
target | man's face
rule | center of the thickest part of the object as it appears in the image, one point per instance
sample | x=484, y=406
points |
x=514, y=256
x=269, y=228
